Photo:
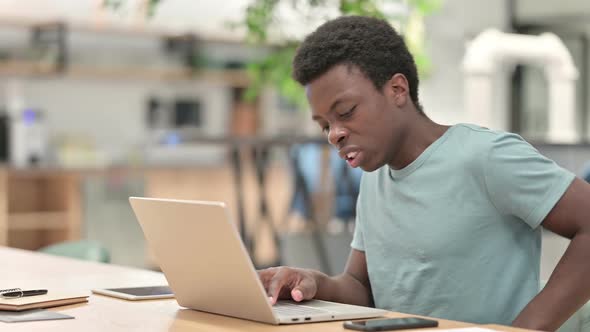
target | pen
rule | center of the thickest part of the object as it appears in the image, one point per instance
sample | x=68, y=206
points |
x=24, y=293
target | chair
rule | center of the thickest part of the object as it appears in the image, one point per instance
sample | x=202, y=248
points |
x=578, y=322
x=83, y=249
x=308, y=166
x=585, y=318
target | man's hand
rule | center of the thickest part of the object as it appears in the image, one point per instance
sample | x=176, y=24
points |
x=351, y=287
x=289, y=283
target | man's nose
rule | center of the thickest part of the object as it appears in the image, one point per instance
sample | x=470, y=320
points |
x=337, y=135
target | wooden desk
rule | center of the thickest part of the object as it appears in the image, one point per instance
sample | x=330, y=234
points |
x=28, y=269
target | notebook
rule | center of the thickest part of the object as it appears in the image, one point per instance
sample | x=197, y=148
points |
x=51, y=299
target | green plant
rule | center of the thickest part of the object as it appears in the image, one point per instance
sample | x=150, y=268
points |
x=262, y=17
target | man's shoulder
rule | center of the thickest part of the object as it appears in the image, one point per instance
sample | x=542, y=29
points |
x=480, y=134
x=483, y=139
x=469, y=148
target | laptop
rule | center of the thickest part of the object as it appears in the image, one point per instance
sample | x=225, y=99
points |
x=208, y=268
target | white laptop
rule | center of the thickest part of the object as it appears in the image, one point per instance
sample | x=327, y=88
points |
x=200, y=252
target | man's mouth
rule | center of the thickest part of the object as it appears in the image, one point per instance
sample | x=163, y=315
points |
x=351, y=155
x=354, y=158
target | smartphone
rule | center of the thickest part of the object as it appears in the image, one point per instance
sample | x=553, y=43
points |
x=138, y=293
x=389, y=324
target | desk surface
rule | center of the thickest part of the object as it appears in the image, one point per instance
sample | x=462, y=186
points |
x=27, y=269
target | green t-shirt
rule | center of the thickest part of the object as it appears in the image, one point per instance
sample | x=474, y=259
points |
x=455, y=234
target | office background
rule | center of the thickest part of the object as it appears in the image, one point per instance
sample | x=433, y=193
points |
x=99, y=104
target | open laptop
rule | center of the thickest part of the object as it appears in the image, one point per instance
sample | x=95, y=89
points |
x=208, y=269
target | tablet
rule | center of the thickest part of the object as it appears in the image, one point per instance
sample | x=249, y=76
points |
x=137, y=293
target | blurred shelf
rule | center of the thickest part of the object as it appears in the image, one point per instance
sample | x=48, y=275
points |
x=63, y=66
x=25, y=68
x=24, y=22
x=137, y=29
x=37, y=220
x=233, y=77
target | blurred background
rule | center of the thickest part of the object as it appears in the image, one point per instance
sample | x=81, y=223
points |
x=105, y=99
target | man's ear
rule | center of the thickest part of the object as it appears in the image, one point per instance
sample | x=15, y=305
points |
x=399, y=89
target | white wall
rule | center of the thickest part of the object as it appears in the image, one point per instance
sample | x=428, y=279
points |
x=447, y=33
x=459, y=21
x=528, y=10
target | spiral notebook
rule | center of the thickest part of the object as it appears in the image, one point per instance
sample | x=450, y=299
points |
x=51, y=299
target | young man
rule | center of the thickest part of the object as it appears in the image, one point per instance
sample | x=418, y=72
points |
x=448, y=217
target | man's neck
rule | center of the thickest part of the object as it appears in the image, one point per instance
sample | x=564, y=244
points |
x=418, y=137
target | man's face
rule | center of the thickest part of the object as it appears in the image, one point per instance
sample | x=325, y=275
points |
x=360, y=121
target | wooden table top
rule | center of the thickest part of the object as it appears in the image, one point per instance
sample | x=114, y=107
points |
x=27, y=269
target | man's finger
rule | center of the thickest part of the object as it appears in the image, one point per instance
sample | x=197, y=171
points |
x=305, y=290
x=265, y=276
x=276, y=285
x=297, y=295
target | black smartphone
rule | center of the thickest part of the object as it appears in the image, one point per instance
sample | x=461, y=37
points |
x=389, y=324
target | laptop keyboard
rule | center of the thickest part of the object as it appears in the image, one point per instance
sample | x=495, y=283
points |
x=291, y=309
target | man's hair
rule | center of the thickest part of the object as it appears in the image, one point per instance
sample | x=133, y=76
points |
x=370, y=44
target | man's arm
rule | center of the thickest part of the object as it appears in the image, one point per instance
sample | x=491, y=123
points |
x=351, y=287
x=568, y=287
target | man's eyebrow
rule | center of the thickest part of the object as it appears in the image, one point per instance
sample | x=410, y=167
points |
x=332, y=107
x=336, y=103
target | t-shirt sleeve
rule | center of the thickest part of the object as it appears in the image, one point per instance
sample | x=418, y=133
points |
x=358, y=241
x=521, y=181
